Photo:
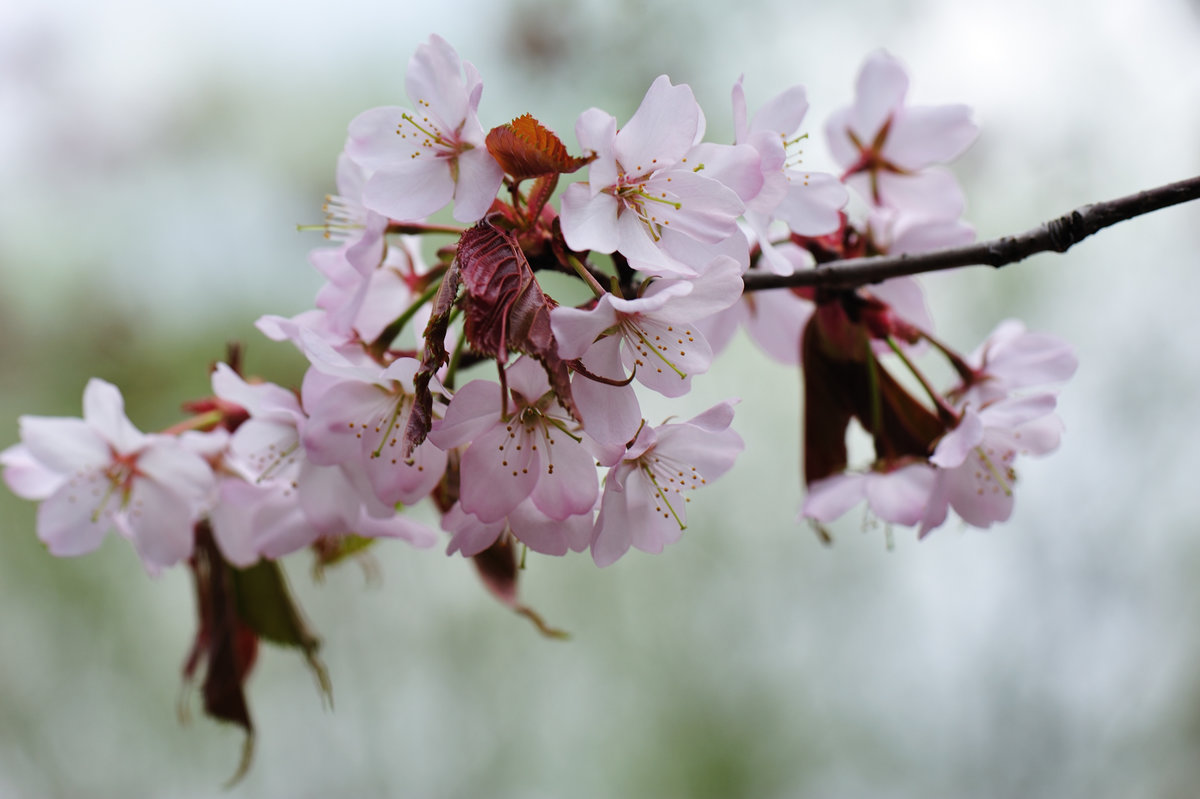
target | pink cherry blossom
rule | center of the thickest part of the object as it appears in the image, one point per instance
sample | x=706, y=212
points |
x=525, y=445
x=657, y=330
x=808, y=201
x=889, y=148
x=100, y=472
x=358, y=420
x=274, y=500
x=421, y=160
x=975, y=461
x=642, y=189
x=644, y=500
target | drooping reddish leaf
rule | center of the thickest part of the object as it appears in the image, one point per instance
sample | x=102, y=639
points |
x=498, y=569
x=842, y=380
x=224, y=645
x=505, y=308
x=525, y=148
x=237, y=607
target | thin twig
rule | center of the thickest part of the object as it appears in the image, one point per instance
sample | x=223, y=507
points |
x=1057, y=235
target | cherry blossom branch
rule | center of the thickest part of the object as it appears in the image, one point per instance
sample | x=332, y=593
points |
x=1057, y=235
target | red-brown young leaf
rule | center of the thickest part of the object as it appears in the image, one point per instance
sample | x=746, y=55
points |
x=505, y=308
x=839, y=385
x=525, y=148
x=224, y=644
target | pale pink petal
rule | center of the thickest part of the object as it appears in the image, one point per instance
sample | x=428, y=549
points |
x=576, y=330
x=259, y=399
x=1012, y=412
x=775, y=321
x=837, y=137
x=979, y=491
x=187, y=475
x=925, y=135
x=568, y=484
x=479, y=178
x=329, y=499
x=397, y=526
x=1039, y=436
x=527, y=378
x=613, y=533
x=498, y=470
x=410, y=189
x=397, y=480
x=697, y=451
x=734, y=166
x=475, y=407
x=28, y=477
x=741, y=127
x=706, y=210
x=590, y=221
x=104, y=411
x=434, y=82
x=342, y=425
x=662, y=129
x=76, y=517
x=783, y=113
x=717, y=287
x=829, y=498
x=660, y=516
x=812, y=204
x=956, y=446
x=64, y=445
x=160, y=523
x=879, y=91
x=611, y=414
x=596, y=131
x=549, y=536
x=902, y=496
x=232, y=520
x=373, y=142
x=933, y=192
x=469, y=536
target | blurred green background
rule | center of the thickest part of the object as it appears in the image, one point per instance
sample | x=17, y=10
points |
x=155, y=159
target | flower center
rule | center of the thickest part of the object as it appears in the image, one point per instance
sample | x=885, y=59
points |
x=670, y=478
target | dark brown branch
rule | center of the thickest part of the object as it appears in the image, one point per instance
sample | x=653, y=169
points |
x=1057, y=235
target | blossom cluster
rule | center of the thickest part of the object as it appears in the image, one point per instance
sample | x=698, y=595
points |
x=556, y=455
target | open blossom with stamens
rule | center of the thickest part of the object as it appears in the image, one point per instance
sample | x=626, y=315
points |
x=357, y=418
x=645, y=495
x=274, y=500
x=975, y=461
x=889, y=149
x=422, y=159
x=660, y=341
x=100, y=472
x=357, y=230
x=642, y=189
x=806, y=200
x=523, y=445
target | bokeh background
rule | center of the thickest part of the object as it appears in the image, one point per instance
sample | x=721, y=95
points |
x=154, y=161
